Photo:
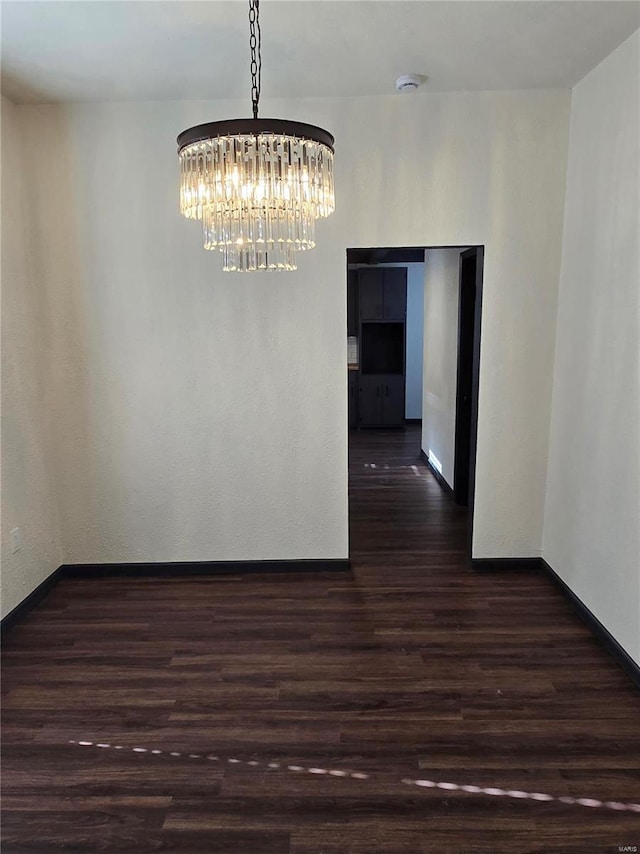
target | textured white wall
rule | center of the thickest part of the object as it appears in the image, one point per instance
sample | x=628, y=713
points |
x=28, y=495
x=592, y=512
x=440, y=294
x=202, y=415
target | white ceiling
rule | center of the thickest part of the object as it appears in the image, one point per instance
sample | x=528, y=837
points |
x=114, y=51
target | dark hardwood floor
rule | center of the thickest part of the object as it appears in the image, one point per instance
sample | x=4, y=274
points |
x=412, y=667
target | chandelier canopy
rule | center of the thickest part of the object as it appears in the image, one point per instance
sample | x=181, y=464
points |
x=257, y=185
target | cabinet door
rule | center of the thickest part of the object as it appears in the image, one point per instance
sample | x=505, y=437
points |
x=395, y=293
x=392, y=389
x=371, y=294
x=370, y=409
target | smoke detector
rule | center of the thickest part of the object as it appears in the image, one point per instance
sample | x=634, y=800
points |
x=409, y=82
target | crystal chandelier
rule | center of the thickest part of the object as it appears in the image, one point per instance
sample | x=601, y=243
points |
x=258, y=185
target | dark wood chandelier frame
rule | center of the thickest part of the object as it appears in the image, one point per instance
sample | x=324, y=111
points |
x=254, y=127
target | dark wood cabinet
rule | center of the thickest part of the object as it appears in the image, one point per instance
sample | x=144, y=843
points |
x=371, y=294
x=376, y=313
x=381, y=400
x=382, y=293
x=370, y=410
x=392, y=393
x=395, y=293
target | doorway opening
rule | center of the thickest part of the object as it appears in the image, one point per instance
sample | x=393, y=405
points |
x=413, y=332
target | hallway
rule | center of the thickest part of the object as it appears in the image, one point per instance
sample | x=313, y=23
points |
x=293, y=713
x=397, y=509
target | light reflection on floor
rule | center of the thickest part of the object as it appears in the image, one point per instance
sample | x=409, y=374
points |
x=540, y=797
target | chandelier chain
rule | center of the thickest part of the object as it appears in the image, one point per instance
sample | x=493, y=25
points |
x=256, y=185
x=256, y=57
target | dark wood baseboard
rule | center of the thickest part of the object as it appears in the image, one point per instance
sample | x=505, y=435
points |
x=165, y=570
x=619, y=655
x=413, y=420
x=443, y=483
x=204, y=567
x=499, y=564
x=29, y=603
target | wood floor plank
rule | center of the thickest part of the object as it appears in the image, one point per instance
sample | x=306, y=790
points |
x=412, y=666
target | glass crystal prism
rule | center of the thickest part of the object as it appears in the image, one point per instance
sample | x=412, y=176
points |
x=258, y=196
